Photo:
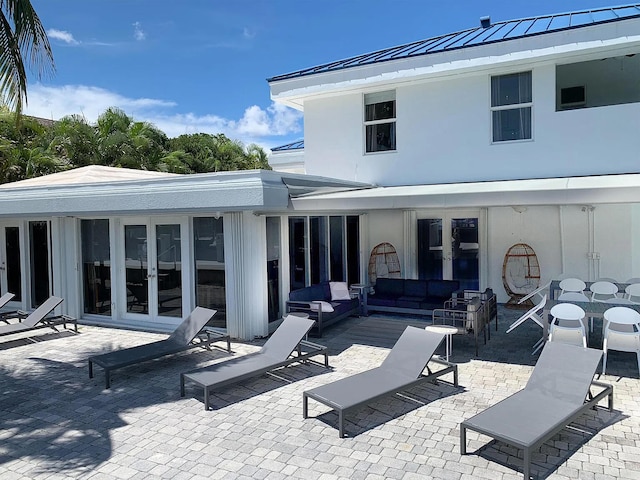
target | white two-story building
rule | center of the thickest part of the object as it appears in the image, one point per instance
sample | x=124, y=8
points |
x=521, y=131
x=451, y=149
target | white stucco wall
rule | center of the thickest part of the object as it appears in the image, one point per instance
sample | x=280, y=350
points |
x=560, y=237
x=387, y=226
x=443, y=135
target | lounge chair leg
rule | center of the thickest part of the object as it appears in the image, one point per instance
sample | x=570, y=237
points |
x=463, y=440
x=90, y=369
x=611, y=401
x=527, y=464
x=182, y=385
x=305, y=406
x=341, y=424
x=107, y=378
x=455, y=376
x=206, y=399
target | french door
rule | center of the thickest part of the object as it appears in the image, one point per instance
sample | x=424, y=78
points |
x=155, y=275
x=11, y=261
x=448, y=248
x=25, y=262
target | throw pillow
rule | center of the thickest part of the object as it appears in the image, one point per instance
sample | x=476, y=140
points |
x=326, y=306
x=339, y=291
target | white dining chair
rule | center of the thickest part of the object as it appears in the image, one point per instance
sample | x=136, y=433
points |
x=576, y=297
x=534, y=314
x=607, y=279
x=573, y=297
x=601, y=291
x=621, y=333
x=572, y=285
x=567, y=324
x=540, y=292
x=632, y=292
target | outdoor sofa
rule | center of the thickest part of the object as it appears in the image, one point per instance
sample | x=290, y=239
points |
x=326, y=303
x=188, y=335
x=400, y=295
x=557, y=393
x=285, y=346
x=402, y=369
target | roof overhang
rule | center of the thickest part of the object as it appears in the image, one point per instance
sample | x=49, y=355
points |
x=548, y=191
x=250, y=190
x=588, y=43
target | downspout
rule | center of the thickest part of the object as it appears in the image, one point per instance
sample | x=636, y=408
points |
x=562, y=256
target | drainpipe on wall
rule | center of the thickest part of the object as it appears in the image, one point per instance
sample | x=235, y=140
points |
x=592, y=256
x=562, y=259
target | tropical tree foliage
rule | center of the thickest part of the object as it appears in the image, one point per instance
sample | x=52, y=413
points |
x=34, y=147
x=22, y=38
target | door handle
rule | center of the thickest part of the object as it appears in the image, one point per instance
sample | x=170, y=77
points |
x=151, y=275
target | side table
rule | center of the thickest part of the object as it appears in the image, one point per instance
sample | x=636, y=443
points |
x=448, y=331
x=363, y=290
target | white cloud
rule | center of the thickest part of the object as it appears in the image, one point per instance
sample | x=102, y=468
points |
x=62, y=35
x=138, y=33
x=248, y=34
x=257, y=125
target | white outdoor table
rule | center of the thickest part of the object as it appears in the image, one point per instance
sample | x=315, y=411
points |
x=448, y=331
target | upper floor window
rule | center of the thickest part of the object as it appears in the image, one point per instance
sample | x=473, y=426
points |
x=380, y=121
x=511, y=102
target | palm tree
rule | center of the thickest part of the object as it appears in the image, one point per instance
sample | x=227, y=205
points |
x=22, y=37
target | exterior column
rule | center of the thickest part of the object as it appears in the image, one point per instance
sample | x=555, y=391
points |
x=66, y=278
x=246, y=275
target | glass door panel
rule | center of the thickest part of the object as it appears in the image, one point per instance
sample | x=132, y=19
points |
x=430, y=249
x=136, y=268
x=169, y=268
x=11, y=263
x=273, y=268
x=208, y=233
x=465, y=252
x=96, y=266
x=39, y=262
x=297, y=253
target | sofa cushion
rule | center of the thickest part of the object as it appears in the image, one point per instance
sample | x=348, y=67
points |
x=409, y=302
x=381, y=301
x=339, y=291
x=389, y=287
x=442, y=288
x=415, y=288
x=429, y=303
x=325, y=306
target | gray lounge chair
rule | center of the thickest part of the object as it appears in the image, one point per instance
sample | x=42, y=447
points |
x=185, y=337
x=285, y=346
x=38, y=319
x=402, y=369
x=4, y=299
x=558, y=392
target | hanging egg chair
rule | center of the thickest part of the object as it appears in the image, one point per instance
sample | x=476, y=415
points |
x=383, y=263
x=520, y=274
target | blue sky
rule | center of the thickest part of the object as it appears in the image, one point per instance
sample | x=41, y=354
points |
x=201, y=65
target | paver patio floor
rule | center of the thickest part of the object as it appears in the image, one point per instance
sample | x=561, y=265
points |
x=55, y=422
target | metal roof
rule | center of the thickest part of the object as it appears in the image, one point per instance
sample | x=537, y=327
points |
x=497, y=32
x=298, y=145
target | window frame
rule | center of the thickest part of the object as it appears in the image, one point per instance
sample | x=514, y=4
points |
x=367, y=123
x=512, y=106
